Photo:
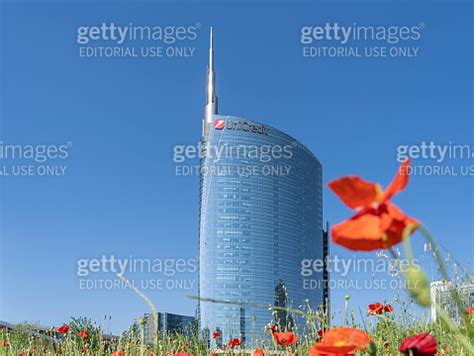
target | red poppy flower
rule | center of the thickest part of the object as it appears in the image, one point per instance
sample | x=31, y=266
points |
x=379, y=308
x=6, y=344
x=419, y=345
x=118, y=353
x=181, y=354
x=216, y=334
x=378, y=223
x=341, y=341
x=84, y=334
x=286, y=338
x=469, y=310
x=259, y=352
x=234, y=342
x=375, y=308
x=63, y=329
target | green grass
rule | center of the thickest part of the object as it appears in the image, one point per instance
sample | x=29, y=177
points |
x=387, y=332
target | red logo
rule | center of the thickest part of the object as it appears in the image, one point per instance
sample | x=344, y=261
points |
x=219, y=124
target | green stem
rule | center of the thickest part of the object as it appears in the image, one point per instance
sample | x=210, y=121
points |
x=345, y=312
x=142, y=339
x=406, y=243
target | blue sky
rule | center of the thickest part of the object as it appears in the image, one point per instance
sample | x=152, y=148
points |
x=122, y=117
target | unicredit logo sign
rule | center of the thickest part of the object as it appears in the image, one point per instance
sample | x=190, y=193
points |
x=219, y=124
x=240, y=125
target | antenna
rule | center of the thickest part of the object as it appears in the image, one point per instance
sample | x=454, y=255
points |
x=211, y=103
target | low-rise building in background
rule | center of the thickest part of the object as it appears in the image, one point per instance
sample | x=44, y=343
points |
x=168, y=323
x=443, y=294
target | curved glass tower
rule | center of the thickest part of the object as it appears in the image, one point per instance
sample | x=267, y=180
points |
x=260, y=217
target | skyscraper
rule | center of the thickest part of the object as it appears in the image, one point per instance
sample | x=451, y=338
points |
x=260, y=217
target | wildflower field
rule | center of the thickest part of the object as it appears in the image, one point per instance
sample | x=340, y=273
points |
x=382, y=329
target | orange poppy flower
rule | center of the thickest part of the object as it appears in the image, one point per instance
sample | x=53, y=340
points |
x=259, y=352
x=286, y=338
x=378, y=223
x=319, y=350
x=341, y=341
x=118, y=353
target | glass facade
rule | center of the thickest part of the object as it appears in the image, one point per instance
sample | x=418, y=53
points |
x=260, y=216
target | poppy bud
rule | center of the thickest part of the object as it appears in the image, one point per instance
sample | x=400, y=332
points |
x=372, y=349
x=418, y=285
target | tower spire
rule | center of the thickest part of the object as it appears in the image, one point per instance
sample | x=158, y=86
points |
x=211, y=103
